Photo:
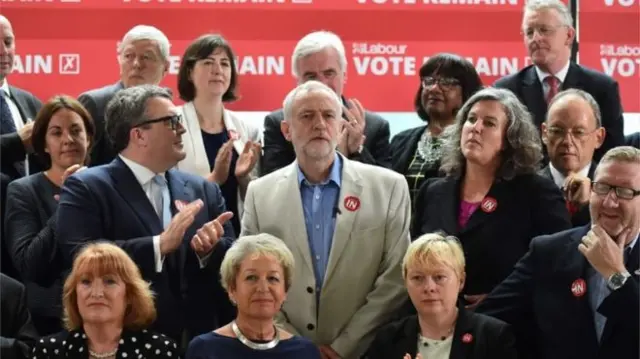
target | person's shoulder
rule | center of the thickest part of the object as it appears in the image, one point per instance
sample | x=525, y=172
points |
x=154, y=344
x=373, y=118
x=101, y=94
x=276, y=116
x=10, y=286
x=373, y=173
x=298, y=347
x=534, y=182
x=594, y=75
x=52, y=344
x=485, y=322
x=273, y=176
x=513, y=80
x=17, y=91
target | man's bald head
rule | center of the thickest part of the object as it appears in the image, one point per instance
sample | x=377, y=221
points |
x=7, y=47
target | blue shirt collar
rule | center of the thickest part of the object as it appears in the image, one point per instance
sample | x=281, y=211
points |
x=335, y=175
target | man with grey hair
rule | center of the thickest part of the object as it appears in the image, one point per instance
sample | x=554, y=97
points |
x=172, y=224
x=363, y=136
x=143, y=57
x=346, y=222
x=548, y=36
x=571, y=134
x=575, y=294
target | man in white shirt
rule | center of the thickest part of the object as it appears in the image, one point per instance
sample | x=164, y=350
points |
x=172, y=224
x=548, y=33
x=571, y=134
x=17, y=109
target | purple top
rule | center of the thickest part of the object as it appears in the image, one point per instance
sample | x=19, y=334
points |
x=466, y=210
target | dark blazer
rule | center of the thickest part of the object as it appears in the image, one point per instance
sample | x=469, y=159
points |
x=278, y=152
x=402, y=148
x=30, y=235
x=17, y=333
x=582, y=216
x=6, y=263
x=604, y=89
x=633, y=140
x=95, y=101
x=110, y=204
x=11, y=146
x=133, y=344
x=527, y=206
x=490, y=338
x=536, y=299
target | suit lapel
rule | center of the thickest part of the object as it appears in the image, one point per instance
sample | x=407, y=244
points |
x=546, y=172
x=464, y=336
x=21, y=104
x=534, y=96
x=411, y=145
x=572, y=80
x=292, y=212
x=577, y=315
x=448, y=200
x=178, y=190
x=499, y=191
x=134, y=195
x=350, y=187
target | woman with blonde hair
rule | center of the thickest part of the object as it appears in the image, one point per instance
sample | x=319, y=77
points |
x=434, y=273
x=257, y=273
x=107, y=308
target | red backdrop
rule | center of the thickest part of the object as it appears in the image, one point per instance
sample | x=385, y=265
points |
x=69, y=46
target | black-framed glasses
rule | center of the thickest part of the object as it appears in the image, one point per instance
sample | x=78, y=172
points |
x=446, y=83
x=173, y=120
x=603, y=189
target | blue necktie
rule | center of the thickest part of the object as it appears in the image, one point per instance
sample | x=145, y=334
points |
x=6, y=120
x=163, y=200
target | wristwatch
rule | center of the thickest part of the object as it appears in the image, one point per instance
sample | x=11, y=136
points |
x=617, y=280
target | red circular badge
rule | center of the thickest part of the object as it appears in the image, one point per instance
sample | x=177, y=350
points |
x=578, y=287
x=489, y=204
x=467, y=338
x=351, y=203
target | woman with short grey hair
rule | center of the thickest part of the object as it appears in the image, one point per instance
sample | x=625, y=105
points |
x=492, y=198
x=257, y=273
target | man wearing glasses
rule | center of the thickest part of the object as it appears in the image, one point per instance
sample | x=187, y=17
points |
x=172, y=224
x=575, y=293
x=548, y=36
x=571, y=134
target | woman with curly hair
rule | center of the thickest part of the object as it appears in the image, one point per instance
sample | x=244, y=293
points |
x=492, y=199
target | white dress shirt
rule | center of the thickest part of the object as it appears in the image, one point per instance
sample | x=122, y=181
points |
x=15, y=114
x=560, y=75
x=145, y=178
x=559, y=178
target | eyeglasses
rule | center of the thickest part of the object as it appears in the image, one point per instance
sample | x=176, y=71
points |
x=544, y=31
x=174, y=120
x=446, y=83
x=558, y=133
x=603, y=189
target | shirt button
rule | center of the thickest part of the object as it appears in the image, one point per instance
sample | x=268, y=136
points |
x=318, y=258
x=317, y=196
x=317, y=226
x=310, y=326
x=309, y=290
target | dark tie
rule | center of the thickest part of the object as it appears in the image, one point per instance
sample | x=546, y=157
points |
x=6, y=120
x=553, y=83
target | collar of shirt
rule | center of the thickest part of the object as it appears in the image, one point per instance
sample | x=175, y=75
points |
x=5, y=88
x=335, y=175
x=561, y=75
x=559, y=178
x=142, y=173
x=633, y=243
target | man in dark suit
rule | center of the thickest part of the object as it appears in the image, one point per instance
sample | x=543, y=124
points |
x=17, y=333
x=575, y=293
x=633, y=140
x=549, y=36
x=143, y=56
x=571, y=134
x=321, y=56
x=17, y=110
x=174, y=225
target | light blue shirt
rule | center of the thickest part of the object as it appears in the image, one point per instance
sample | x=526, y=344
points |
x=600, y=292
x=319, y=203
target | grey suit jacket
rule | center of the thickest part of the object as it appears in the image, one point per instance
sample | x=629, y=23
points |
x=363, y=285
